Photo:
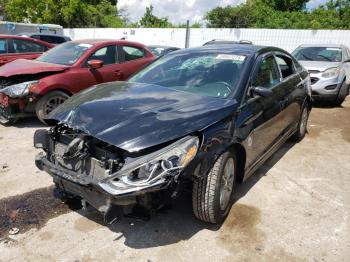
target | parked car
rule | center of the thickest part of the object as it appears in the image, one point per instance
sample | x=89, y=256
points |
x=160, y=50
x=211, y=116
x=49, y=38
x=225, y=42
x=329, y=68
x=15, y=47
x=39, y=86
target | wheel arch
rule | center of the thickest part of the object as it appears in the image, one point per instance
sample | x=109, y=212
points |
x=240, y=152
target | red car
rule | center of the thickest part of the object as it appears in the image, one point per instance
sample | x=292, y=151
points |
x=14, y=47
x=38, y=86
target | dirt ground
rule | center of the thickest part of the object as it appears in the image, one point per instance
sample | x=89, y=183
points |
x=295, y=208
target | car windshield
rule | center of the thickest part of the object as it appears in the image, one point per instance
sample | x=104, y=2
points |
x=324, y=54
x=208, y=74
x=65, y=54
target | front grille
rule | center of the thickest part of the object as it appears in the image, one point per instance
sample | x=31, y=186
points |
x=331, y=87
x=314, y=80
x=314, y=71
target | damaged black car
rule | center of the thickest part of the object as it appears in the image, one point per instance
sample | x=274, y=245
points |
x=206, y=117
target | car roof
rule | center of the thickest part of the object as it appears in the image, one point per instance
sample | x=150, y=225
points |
x=323, y=45
x=246, y=49
x=104, y=41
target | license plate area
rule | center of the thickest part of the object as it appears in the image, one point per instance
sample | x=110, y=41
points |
x=88, y=166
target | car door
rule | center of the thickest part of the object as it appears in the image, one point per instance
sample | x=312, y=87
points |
x=291, y=93
x=260, y=117
x=110, y=71
x=133, y=58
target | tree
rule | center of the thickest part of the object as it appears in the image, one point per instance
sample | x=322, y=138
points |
x=286, y=5
x=335, y=14
x=68, y=13
x=150, y=20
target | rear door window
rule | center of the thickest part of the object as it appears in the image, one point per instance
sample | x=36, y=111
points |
x=3, y=46
x=286, y=65
x=24, y=46
x=130, y=53
x=268, y=75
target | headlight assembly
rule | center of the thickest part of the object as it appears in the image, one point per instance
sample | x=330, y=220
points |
x=19, y=90
x=153, y=169
x=331, y=72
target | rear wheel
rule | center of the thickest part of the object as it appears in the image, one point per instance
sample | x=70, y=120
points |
x=302, y=126
x=48, y=103
x=212, y=196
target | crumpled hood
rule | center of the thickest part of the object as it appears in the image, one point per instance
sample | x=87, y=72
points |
x=318, y=65
x=26, y=67
x=135, y=116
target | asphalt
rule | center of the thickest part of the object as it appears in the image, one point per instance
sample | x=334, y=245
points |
x=295, y=208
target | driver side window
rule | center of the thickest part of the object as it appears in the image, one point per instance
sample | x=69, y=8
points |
x=268, y=75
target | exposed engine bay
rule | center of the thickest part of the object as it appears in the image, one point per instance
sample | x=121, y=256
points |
x=104, y=175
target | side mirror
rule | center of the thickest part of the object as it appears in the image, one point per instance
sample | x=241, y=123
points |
x=95, y=64
x=261, y=91
x=347, y=60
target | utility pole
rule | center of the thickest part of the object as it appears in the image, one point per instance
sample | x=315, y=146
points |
x=187, y=40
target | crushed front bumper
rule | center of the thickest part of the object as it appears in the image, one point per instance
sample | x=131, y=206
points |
x=88, y=188
x=13, y=108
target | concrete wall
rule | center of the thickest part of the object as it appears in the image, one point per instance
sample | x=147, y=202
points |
x=286, y=39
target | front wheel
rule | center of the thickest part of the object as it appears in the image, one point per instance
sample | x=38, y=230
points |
x=48, y=103
x=212, y=195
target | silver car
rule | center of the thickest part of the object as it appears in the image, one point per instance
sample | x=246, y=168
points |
x=329, y=68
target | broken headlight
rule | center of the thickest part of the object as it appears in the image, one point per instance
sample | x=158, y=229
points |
x=153, y=169
x=19, y=90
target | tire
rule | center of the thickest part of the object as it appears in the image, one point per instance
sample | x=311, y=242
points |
x=48, y=103
x=302, y=125
x=343, y=92
x=208, y=201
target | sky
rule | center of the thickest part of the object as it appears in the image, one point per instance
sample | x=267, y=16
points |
x=178, y=11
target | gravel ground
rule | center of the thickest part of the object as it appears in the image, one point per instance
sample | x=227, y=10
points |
x=295, y=208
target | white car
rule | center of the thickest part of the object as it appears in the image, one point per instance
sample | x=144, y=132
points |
x=329, y=68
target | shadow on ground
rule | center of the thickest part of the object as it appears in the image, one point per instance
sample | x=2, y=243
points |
x=30, y=122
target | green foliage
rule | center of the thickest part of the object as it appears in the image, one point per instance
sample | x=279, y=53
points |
x=150, y=20
x=68, y=13
x=335, y=14
x=286, y=5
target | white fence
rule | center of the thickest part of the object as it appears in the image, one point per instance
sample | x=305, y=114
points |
x=286, y=39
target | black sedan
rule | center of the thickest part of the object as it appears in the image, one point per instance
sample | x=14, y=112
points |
x=206, y=117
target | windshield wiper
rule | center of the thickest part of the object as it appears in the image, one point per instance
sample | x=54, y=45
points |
x=308, y=58
x=327, y=58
